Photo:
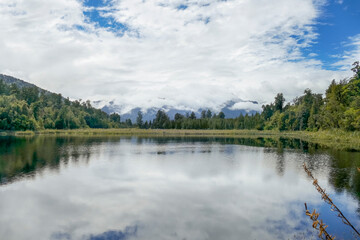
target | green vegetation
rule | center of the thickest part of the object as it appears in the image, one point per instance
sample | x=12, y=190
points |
x=30, y=108
x=34, y=109
x=340, y=109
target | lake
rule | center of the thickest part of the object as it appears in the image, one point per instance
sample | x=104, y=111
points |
x=171, y=188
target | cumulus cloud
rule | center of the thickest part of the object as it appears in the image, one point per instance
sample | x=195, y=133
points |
x=192, y=53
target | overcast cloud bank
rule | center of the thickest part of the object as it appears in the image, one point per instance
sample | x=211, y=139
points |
x=179, y=53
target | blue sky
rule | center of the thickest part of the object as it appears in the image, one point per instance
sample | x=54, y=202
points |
x=96, y=15
x=187, y=54
x=338, y=22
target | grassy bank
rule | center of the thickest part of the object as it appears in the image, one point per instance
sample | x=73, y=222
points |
x=333, y=139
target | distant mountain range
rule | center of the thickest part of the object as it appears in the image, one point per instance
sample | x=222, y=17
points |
x=232, y=108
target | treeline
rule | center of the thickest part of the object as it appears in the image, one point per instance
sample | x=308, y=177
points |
x=30, y=108
x=208, y=120
x=339, y=109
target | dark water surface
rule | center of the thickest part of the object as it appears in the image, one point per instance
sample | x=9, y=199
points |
x=155, y=188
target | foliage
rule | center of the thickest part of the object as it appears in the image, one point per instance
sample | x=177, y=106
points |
x=339, y=109
x=139, y=120
x=30, y=108
x=33, y=109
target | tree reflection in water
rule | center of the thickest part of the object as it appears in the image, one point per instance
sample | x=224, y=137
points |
x=24, y=157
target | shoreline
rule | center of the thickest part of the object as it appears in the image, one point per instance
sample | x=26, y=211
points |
x=336, y=139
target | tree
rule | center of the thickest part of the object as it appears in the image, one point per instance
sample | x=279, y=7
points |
x=178, y=121
x=4, y=88
x=115, y=117
x=178, y=117
x=128, y=122
x=334, y=109
x=192, y=115
x=356, y=69
x=268, y=111
x=30, y=94
x=203, y=114
x=14, y=90
x=66, y=119
x=208, y=114
x=139, y=120
x=161, y=120
x=221, y=115
x=279, y=102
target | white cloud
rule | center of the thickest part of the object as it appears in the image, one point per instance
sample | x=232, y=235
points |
x=246, y=106
x=340, y=1
x=200, y=56
x=349, y=56
x=313, y=55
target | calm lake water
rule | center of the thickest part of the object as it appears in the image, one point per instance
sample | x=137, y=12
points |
x=171, y=188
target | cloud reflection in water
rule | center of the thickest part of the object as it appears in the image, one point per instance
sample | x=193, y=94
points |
x=198, y=189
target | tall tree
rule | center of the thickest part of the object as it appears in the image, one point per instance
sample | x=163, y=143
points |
x=279, y=102
x=208, y=114
x=115, y=117
x=356, y=69
x=192, y=115
x=161, y=120
x=203, y=114
x=221, y=115
x=139, y=120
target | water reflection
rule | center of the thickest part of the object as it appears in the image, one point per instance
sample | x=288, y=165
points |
x=170, y=188
x=24, y=157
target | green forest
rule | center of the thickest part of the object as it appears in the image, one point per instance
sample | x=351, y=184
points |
x=30, y=108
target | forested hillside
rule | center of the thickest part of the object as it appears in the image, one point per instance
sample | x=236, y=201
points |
x=32, y=108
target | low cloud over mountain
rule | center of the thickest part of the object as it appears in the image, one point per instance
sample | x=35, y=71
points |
x=231, y=109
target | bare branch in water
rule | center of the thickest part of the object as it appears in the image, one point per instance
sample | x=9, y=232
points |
x=318, y=224
x=328, y=200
